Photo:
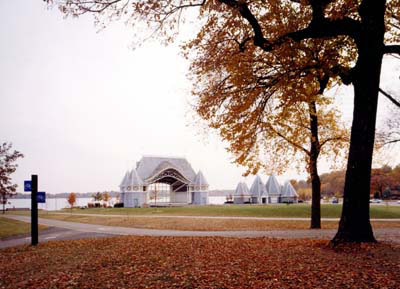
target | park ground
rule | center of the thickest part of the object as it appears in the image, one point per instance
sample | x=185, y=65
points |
x=279, y=210
x=229, y=218
x=201, y=262
x=10, y=228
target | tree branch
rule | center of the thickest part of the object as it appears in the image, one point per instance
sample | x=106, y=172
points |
x=289, y=141
x=259, y=39
x=389, y=49
x=323, y=27
x=392, y=141
x=331, y=139
x=391, y=98
x=345, y=74
x=319, y=26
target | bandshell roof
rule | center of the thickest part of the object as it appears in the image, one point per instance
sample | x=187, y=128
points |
x=149, y=166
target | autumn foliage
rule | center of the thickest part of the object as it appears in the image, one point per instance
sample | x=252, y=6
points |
x=71, y=199
x=332, y=183
x=262, y=66
x=7, y=167
x=172, y=262
x=385, y=179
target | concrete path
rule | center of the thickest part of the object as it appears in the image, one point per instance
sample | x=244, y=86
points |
x=73, y=230
x=216, y=217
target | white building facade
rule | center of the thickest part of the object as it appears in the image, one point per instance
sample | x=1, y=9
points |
x=180, y=184
x=272, y=192
x=242, y=194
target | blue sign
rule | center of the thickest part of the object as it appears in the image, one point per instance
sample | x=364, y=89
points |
x=27, y=186
x=41, y=197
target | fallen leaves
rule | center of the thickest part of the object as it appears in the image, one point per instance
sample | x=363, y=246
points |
x=178, y=262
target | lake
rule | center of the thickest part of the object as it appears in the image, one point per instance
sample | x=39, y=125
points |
x=53, y=204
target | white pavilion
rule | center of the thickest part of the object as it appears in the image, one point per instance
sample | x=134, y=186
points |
x=171, y=179
x=258, y=191
x=242, y=194
x=270, y=193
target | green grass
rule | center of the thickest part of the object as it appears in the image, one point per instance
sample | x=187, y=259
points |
x=295, y=210
x=9, y=227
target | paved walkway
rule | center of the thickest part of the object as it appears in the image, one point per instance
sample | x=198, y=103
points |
x=380, y=234
x=218, y=217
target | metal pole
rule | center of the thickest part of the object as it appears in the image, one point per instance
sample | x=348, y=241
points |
x=34, y=211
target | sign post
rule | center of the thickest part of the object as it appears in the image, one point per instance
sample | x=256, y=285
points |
x=41, y=197
x=27, y=186
x=34, y=211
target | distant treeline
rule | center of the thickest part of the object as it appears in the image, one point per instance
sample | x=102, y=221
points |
x=384, y=182
x=113, y=194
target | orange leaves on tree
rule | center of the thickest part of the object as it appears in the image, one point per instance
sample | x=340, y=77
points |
x=71, y=199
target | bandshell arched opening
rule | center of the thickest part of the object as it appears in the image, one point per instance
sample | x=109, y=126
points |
x=177, y=184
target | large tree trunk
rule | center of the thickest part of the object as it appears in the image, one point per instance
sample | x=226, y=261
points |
x=354, y=223
x=313, y=170
x=316, y=196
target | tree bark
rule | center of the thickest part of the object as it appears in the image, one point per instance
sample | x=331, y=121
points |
x=354, y=225
x=315, y=181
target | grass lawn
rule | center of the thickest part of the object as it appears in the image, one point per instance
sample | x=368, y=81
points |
x=178, y=262
x=190, y=224
x=295, y=210
x=131, y=217
x=10, y=228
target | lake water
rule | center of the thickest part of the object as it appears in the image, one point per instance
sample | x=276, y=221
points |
x=61, y=203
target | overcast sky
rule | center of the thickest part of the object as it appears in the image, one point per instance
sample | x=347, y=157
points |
x=83, y=107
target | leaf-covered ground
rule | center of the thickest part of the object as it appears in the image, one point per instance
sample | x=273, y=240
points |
x=177, y=262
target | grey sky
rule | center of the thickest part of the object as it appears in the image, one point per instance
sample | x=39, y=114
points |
x=83, y=106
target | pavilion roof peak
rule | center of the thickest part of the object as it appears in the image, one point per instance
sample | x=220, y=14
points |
x=200, y=180
x=242, y=189
x=124, y=179
x=273, y=187
x=288, y=190
x=258, y=188
x=134, y=179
